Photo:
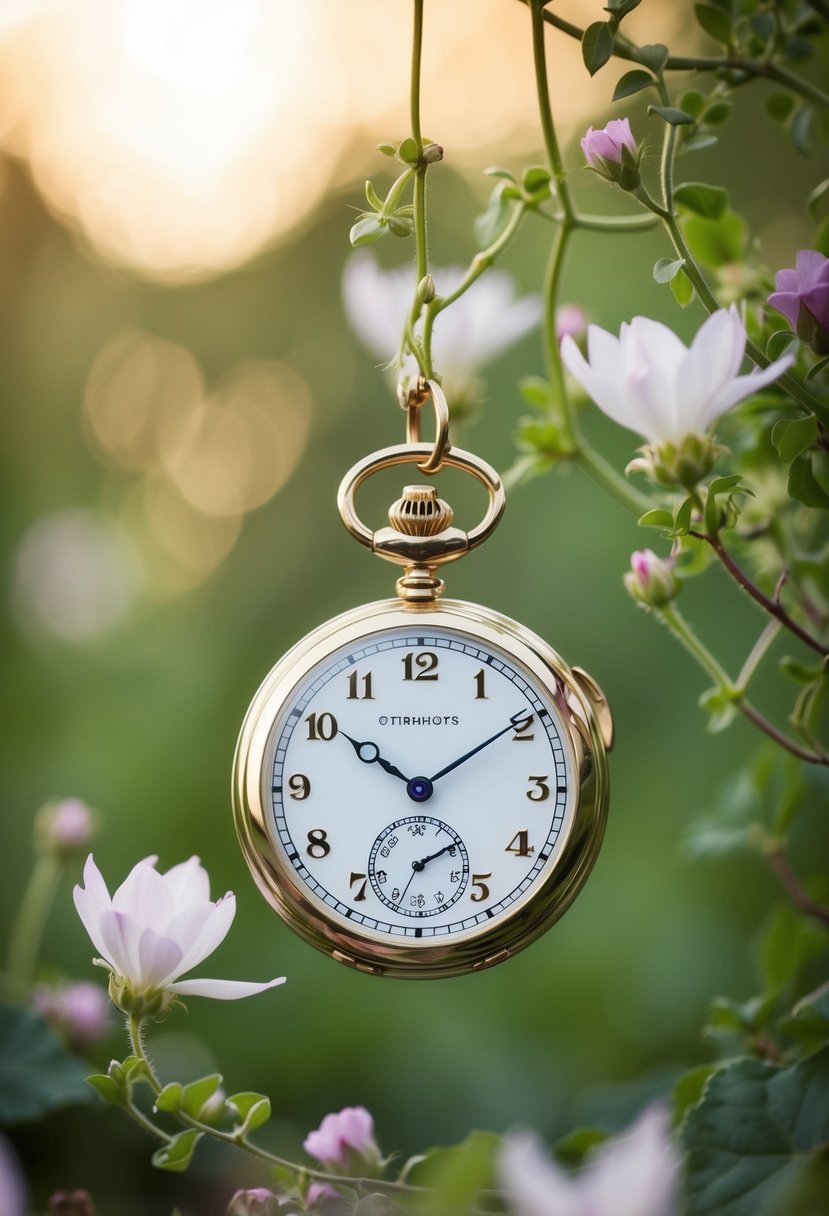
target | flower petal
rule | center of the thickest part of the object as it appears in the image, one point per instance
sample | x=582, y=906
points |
x=90, y=914
x=222, y=990
x=787, y=303
x=535, y=1185
x=808, y=265
x=711, y=364
x=145, y=897
x=159, y=958
x=121, y=936
x=604, y=385
x=636, y=1174
x=742, y=387
x=188, y=883
x=213, y=931
x=95, y=885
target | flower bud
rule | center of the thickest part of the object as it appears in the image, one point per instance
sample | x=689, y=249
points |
x=432, y=153
x=146, y=1003
x=614, y=154
x=257, y=1201
x=64, y=827
x=650, y=580
x=345, y=1142
x=571, y=322
x=426, y=289
x=677, y=464
x=80, y=1012
x=71, y=1203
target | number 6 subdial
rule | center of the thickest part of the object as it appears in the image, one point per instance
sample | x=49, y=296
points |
x=418, y=866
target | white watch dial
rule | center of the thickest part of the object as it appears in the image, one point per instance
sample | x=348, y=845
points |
x=418, y=785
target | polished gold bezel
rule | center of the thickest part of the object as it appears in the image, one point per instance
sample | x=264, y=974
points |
x=585, y=721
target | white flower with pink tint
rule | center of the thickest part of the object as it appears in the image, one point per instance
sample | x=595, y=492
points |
x=635, y=1174
x=345, y=1141
x=155, y=928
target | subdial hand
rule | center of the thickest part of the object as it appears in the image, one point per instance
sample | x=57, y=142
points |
x=369, y=753
x=518, y=721
x=419, y=866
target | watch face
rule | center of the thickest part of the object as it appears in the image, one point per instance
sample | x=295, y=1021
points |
x=418, y=788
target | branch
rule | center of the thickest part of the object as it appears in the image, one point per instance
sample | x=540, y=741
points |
x=791, y=884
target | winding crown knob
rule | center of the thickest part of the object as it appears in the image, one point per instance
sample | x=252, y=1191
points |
x=419, y=512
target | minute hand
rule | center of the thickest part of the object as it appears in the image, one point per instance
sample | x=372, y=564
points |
x=521, y=719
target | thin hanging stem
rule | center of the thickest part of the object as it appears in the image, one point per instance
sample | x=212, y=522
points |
x=27, y=933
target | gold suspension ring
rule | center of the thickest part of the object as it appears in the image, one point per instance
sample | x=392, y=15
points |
x=412, y=403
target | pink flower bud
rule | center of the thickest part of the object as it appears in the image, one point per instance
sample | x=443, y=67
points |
x=80, y=1012
x=613, y=153
x=650, y=580
x=257, y=1201
x=65, y=827
x=345, y=1140
x=318, y=1191
x=571, y=322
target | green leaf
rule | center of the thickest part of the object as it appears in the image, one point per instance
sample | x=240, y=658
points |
x=408, y=152
x=790, y=944
x=369, y=228
x=632, y=82
x=491, y=221
x=372, y=197
x=716, y=114
x=817, y=195
x=743, y=1139
x=821, y=241
x=177, y=1155
x=253, y=1109
x=696, y=143
x=575, y=1146
x=37, y=1074
x=536, y=392
x=386, y=148
x=676, y=118
x=804, y=486
x=712, y=514
x=194, y=1095
x=778, y=341
x=715, y=21
x=657, y=518
x=818, y=367
x=693, y=102
x=800, y=130
x=665, y=269
x=170, y=1097
x=683, y=289
x=719, y=706
x=621, y=8
x=708, y=201
x=682, y=517
x=109, y=1090
x=654, y=55
x=716, y=242
x=779, y=106
x=536, y=181
x=456, y=1176
x=791, y=436
x=496, y=171
x=596, y=46
x=689, y=1088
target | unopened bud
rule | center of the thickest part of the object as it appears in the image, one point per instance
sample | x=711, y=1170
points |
x=650, y=580
x=677, y=464
x=257, y=1201
x=65, y=827
x=614, y=154
x=426, y=289
x=432, y=153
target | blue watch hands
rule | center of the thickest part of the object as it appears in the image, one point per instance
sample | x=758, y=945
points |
x=369, y=753
x=518, y=721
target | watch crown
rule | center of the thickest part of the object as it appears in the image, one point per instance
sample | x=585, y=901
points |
x=419, y=512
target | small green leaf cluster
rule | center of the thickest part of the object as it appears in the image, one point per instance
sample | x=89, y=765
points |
x=531, y=189
x=389, y=214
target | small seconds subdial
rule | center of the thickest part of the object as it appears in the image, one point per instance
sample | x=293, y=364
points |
x=418, y=866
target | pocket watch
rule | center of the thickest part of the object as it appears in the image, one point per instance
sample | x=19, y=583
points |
x=420, y=784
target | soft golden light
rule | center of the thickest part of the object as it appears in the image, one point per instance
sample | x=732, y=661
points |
x=181, y=136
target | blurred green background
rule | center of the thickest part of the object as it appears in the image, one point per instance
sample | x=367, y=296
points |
x=140, y=716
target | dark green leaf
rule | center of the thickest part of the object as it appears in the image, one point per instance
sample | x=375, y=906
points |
x=658, y=518
x=791, y=436
x=676, y=118
x=800, y=130
x=689, y=1088
x=682, y=517
x=177, y=1155
x=536, y=180
x=247, y=1102
x=37, y=1074
x=596, y=46
x=821, y=241
x=712, y=515
x=621, y=8
x=665, y=269
x=654, y=56
x=400, y=225
x=683, y=289
x=109, y=1090
x=696, y=143
x=632, y=82
x=789, y=945
x=804, y=486
x=708, y=201
x=801, y=673
x=716, y=114
x=369, y=228
x=779, y=106
x=692, y=102
x=194, y=1095
x=715, y=21
x=742, y=1139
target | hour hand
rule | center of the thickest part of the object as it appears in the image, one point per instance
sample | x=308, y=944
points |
x=369, y=753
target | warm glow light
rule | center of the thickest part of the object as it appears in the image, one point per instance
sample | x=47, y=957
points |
x=199, y=460
x=181, y=136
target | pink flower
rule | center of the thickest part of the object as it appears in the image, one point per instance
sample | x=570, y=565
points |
x=608, y=142
x=318, y=1191
x=636, y=1174
x=803, y=298
x=650, y=580
x=79, y=1011
x=257, y=1201
x=12, y=1187
x=344, y=1139
x=154, y=928
x=65, y=827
